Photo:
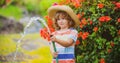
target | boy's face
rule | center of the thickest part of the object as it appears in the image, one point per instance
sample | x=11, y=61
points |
x=62, y=23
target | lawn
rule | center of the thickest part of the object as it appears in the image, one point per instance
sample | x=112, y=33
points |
x=32, y=49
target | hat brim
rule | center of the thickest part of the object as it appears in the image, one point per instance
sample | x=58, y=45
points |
x=53, y=9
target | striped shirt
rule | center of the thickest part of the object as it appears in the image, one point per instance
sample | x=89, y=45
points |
x=65, y=54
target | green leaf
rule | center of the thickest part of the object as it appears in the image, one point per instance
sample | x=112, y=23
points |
x=92, y=9
x=99, y=47
x=96, y=61
x=108, y=43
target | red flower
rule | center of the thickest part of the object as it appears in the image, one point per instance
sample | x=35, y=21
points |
x=50, y=24
x=109, y=50
x=76, y=5
x=83, y=21
x=107, y=18
x=95, y=29
x=119, y=20
x=85, y=35
x=102, y=60
x=55, y=4
x=80, y=34
x=118, y=4
x=45, y=34
x=49, y=21
x=81, y=25
x=83, y=13
x=8, y=1
x=118, y=32
x=104, y=19
x=100, y=5
x=67, y=1
x=112, y=44
x=90, y=21
x=113, y=2
x=77, y=42
x=51, y=29
x=79, y=16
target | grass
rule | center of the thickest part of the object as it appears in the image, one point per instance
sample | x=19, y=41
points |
x=6, y=45
x=41, y=54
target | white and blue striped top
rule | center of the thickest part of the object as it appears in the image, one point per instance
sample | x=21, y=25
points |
x=66, y=53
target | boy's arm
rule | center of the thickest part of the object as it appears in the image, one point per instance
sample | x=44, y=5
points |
x=67, y=43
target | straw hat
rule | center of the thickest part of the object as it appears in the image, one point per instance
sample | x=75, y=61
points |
x=53, y=9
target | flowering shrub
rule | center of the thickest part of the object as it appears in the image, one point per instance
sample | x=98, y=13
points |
x=99, y=30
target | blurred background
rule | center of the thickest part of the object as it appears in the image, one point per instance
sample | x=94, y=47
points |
x=14, y=16
x=98, y=32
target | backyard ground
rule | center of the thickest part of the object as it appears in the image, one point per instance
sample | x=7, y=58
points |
x=31, y=49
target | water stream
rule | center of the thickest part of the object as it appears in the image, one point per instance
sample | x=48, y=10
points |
x=32, y=20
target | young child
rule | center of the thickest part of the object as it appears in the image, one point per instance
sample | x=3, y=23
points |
x=65, y=36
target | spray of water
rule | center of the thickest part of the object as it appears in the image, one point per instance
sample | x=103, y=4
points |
x=33, y=19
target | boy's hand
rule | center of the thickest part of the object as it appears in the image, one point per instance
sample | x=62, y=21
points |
x=55, y=54
x=53, y=38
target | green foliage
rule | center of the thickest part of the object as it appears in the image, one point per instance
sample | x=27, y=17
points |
x=15, y=7
x=11, y=11
x=2, y=2
x=44, y=4
x=97, y=44
x=38, y=6
x=31, y=5
x=99, y=31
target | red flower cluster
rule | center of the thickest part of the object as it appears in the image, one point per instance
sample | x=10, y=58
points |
x=83, y=22
x=95, y=29
x=119, y=20
x=83, y=35
x=79, y=16
x=118, y=4
x=90, y=21
x=102, y=60
x=77, y=42
x=112, y=44
x=118, y=32
x=100, y=5
x=8, y=1
x=45, y=34
x=104, y=19
x=50, y=24
x=109, y=50
x=75, y=3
